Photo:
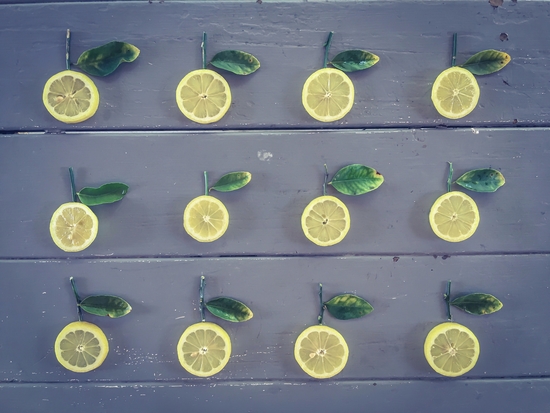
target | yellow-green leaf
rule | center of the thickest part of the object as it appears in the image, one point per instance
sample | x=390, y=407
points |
x=478, y=303
x=103, y=60
x=356, y=179
x=481, y=180
x=235, y=61
x=106, y=305
x=232, y=181
x=229, y=309
x=348, y=306
x=353, y=60
x=487, y=62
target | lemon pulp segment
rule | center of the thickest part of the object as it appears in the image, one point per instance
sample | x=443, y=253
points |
x=455, y=93
x=205, y=218
x=73, y=227
x=326, y=220
x=203, y=96
x=454, y=216
x=328, y=95
x=81, y=347
x=70, y=96
x=451, y=349
x=204, y=349
x=321, y=351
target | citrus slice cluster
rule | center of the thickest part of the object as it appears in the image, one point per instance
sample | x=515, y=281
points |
x=204, y=349
x=81, y=347
x=205, y=218
x=455, y=93
x=70, y=96
x=328, y=95
x=325, y=221
x=454, y=216
x=321, y=351
x=203, y=96
x=451, y=349
x=73, y=227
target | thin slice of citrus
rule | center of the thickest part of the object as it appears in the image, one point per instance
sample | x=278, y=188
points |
x=455, y=93
x=328, y=94
x=73, y=227
x=203, y=96
x=321, y=351
x=70, y=96
x=205, y=218
x=204, y=349
x=81, y=347
x=454, y=216
x=451, y=349
x=325, y=221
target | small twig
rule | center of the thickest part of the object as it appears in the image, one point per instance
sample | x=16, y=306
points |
x=77, y=297
x=205, y=183
x=322, y=305
x=447, y=298
x=201, y=298
x=327, y=47
x=450, y=177
x=325, y=182
x=73, y=185
x=453, y=55
x=203, y=48
x=68, y=50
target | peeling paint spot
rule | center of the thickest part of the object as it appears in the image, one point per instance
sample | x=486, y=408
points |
x=264, y=155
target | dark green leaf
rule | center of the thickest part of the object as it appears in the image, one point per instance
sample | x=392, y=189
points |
x=229, y=309
x=105, y=194
x=478, y=303
x=481, y=180
x=356, y=179
x=103, y=60
x=353, y=60
x=486, y=62
x=232, y=181
x=105, y=305
x=348, y=306
x=235, y=61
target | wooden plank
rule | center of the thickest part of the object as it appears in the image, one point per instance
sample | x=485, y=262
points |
x=411, y=38
x=165, y=171
x=283, y=293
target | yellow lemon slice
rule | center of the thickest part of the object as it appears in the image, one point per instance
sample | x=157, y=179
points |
x=204, y=349
x=325, y=221
x=70, y=96
x=205, y=218
x=321, y=351
x=328, y=95
x=451, y=349
x=454, y=216
x=81, y=347
x=73, y=227
x=203, y=96
x=455, y=93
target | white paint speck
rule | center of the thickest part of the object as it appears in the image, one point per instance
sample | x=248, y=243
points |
x=264, y=155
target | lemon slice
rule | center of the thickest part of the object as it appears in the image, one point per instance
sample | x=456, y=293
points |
x=70, y=96
x=455, y=93
x=203, y=96
x=454, y=216
x=321, y=351
x=325, y=221
x=328, y=95
x=81, y=347
x=205, y=218
x=204, y=349
x=73, y=227
x=451, y=349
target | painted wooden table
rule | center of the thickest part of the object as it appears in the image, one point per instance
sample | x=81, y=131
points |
x=390, y=256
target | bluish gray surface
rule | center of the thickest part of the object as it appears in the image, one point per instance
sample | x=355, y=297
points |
x=390, y=256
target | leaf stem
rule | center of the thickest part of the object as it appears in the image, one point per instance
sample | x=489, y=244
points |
x=201, y=298
x=203, y=48
x=327, y=47
x=453, y=55
x=73, y=185
x=77, y=297
x=68, y=50
x=450, y=177
x=322, y=305
x=205, y=183
x=447, y=298
x=325, y=182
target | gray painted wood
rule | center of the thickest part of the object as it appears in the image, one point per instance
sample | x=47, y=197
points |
x=412, y=39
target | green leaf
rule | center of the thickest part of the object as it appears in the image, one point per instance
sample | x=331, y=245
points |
x=348, y=306
x=353, y=60
x=105, y=194
x=105, y=305
x=478, y=303
x=235, y=61
x=481, y=180
x=356, y=179
x=486, y=62
x=229, y=309
x=103, y=60
x=232, y=181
